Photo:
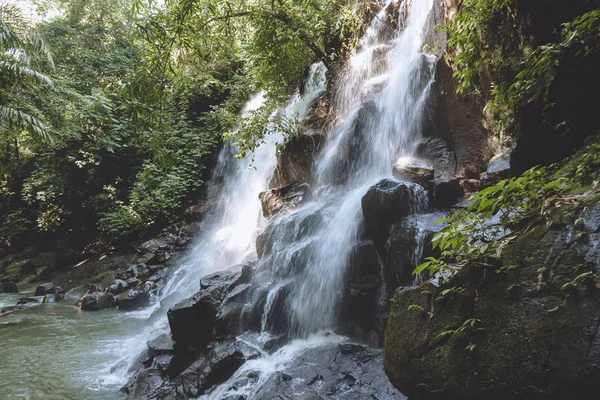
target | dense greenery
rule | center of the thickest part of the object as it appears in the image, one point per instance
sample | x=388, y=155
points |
x=112, y=111
x=527, y=61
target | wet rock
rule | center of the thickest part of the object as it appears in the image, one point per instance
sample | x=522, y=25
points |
x=8, y=287
x=408, y=244
x=118, y=286
x=161, y=344
x=31, y=299
x=446, y=192
x=53, y=298
x=283, y=198
x=194, y=213
x=215, y=368
x=295, y=161
x=48, y=288
x=228, y=317
x=436, y=152
x=459, y=121
x=192, y=320
x=133, y=299
x=95, y=301
x=408, y=168
x=386, y=203
x=498, y=169
x=549, y=341
x=154, y=245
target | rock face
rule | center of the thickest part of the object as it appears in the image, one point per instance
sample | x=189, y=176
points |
x=446, y=192
x=459, y=122
x=498, y=169
x=295, y=161
x=8, y=287
x=387, y=202
x=414, y=170
x=285, y=197
x=437, y=153
x=534, y=330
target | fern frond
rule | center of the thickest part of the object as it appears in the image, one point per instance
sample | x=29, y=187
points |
x=13, y=117
x=23, y=72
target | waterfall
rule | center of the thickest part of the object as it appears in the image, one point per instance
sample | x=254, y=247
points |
x=299, y=280
x=228, y=233
x=298, y=283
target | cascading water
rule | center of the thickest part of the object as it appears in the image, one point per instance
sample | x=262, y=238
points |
x=229, y=229
x=300, y=276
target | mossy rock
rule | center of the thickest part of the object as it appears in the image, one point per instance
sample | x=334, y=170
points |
x=533, y=342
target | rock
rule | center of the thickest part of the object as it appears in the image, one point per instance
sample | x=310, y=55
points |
x=459, y=121
x=31, y=299
x=8, y=287
x=535, y=342
x=154, y=245
x=230, y=312
x=133, y=299
x=408, y=168
x=192, y=320
x=446, y=192
x=48, y=288
x=94, y=301
x=387, y=202
x=193, y=213
x=118, y=286
x=296, y=159
x=283, y=198
x=498, y=167
x=436, y=152
x=470, y=186
x=161, y=344
x=137, y=270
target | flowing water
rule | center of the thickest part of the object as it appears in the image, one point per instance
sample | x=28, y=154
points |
x=56, y=351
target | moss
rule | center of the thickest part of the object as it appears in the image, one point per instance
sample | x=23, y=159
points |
x=102, y=275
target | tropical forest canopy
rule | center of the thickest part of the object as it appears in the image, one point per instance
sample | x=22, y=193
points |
x=112, y=111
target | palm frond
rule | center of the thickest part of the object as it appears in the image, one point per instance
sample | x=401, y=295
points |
x=13, y=117
x=22, y=72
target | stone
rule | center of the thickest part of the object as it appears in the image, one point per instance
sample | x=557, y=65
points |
x=437, y=153
x=8, y=287
x=413, y=170
x=44, y=260
x=95, y=301
x=283, y=198
x=296, y=159
x=161, y=344
x=192, y=320
x=446, y=192
x=498, y=169
x=132, y=299
x=53, y=298
x=118, y=286
x=48, y=288
x=387, y=202
x=536, y=342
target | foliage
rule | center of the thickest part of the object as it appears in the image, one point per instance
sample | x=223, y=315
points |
x=493, y=52
x=474, y=236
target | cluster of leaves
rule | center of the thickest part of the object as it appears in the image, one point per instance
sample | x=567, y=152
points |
x=473, y=236
x=493, y=53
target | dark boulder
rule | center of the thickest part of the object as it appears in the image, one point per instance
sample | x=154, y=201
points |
x=413, y=170
x=436, y=152
x=48, y=288
x=386, y=203
x=283, y=198
x=216, y=367
x=408, y=244
x=133, y=299
x=8, y=287
x=192, y=321
x=446, y=192
x=95, y=301
x=460, y=122
x=296, y=159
